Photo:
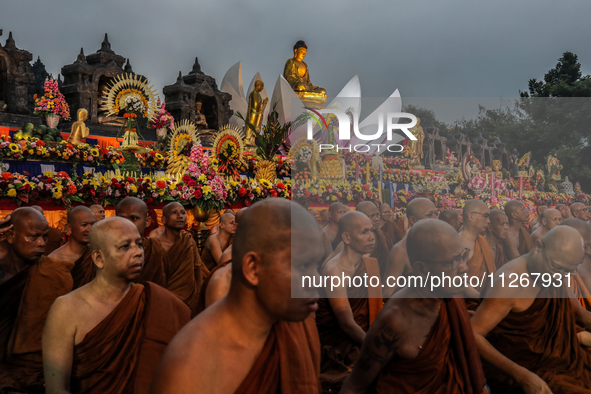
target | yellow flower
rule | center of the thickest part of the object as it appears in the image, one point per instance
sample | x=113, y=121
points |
x=322, y=189
x=206, y=189
x=202, y=178
x=57, y=195
x=94, y=152
x=333, y=198
x=349, y=198
x=159, y=156
x=148, y=179
x=258, y=190
x=85, y=182
x=11, y=193
x=14, y=147
x=48, y=174
x=172, y=186
x=31, y=151
x=266, y=183
x=133, y=188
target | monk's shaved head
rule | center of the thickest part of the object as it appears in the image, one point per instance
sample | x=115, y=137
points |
x=101, y=233
x=472, y=205
x=227, y=217
x=166, y=211
x=334, y=207
x=77, y=211
x=512, y=206
x=565, y=244
x=516, y=211
x=371, y=211
x=365, y=207
x=428, y=238
x=239, y=214
x=351, y=220
x=552, y=217
x=131, y=202
x=38, y=208
x=25, y=216
x=582, y=227
x=564, y=210
x=420, y=208
x=451, y=217
x=496, y=215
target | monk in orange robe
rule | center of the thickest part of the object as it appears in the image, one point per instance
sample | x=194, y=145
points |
x=108, y=336
x=527, y=335
x=417, y=344
x=54, y=238
x=330, y=231
x=183, y=267
x=476, y=220
x=388, y=225
x=218, y=242
x=518, y=241
x=135, y=210
x=28, y=286
x=498, y=230
x=346, y=314
x=76, y=250
x=269, y=342
x=577, y=283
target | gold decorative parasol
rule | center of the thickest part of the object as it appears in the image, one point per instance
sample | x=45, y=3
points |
x=183, y=133
x=125, y=85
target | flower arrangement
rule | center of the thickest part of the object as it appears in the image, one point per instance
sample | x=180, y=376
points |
x=152, y=159
x=435, y=184
x=161, y=117
x=52, y=102
x=321, y=193
x=450, y=159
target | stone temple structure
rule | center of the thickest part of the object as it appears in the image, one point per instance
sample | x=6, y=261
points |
x=196, y=86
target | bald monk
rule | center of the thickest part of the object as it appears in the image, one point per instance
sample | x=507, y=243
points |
x=99, y=211
x=136, y=211
x=269, y=342
x=217, y=284
x=476, y=220
x=549, y=219
x=76, y=250
x=578, y=283
x=329, y=232
x=536, y=222
x=344, y=316
x=580, y=211
x=220, y=241
x=451, y=217
x=182, y=264
x=315, y=214
x=216, y=227
x=527, y=334
x=518, y=241
x=108, y=336
x=419, y=343
x=388, y=225
x=418, y=209
x=29, y=283
x=55, y=237
x=498, y=231
x=564, y=211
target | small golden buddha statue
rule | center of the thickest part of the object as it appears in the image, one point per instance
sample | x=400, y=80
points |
x=416, y=146
x=79, y=129
x=254, y=114
x=296, y=72
x=200, y=120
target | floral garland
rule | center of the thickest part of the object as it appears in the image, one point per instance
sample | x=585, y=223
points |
x=161, y=118
x=52, y=102
x=346, y=192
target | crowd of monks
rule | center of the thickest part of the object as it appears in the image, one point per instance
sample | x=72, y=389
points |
x=115, y=311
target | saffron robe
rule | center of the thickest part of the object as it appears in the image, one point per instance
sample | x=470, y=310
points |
x=121, y=353
x=153, y=270
x=482, y=260
x=83, y=271
x=525, y=242
x=25, y=300
x=447, y=363
x=207, y=257
x=500, y=256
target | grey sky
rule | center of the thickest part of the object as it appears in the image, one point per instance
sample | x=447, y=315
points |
x=424, y=48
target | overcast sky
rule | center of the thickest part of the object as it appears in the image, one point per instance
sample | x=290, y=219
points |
x=423, y=48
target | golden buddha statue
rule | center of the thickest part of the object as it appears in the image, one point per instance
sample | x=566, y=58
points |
x=79, y=129
x=296, y=72
x=416, y=146
x=254, y=114
x=200, y=120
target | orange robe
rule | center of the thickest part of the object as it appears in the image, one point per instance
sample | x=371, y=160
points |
x=543, y=340
x=83, y=271
x=289, y=362
x=153, y=270
x=121, y=353
x=482, y=260
x=390, y=228
x=25, y=300
x=525, y=242
x=201, y=301
x=54, y=240
x=182, y=268
x=580, y=289
x=207, y=257
x=448, y=362
x=338, y=350
x=500, y=256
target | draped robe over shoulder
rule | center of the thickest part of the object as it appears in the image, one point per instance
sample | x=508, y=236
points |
x=153, y=270
x=448, y=362
x=25, y=300
x=482, y=260
x=525, y=242
x=83, y=271
x=121, y=353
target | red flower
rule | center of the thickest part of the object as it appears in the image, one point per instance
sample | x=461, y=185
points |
x=198, y=193
x=242, y=192
x=281, y=186
x=160, y=184
x=186, y=179
x=247, y=203
x=192, y=183
x=40, y=143
x=273, y=193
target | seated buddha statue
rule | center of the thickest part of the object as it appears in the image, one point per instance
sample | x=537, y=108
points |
x=79, y=130
x=297, y=74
